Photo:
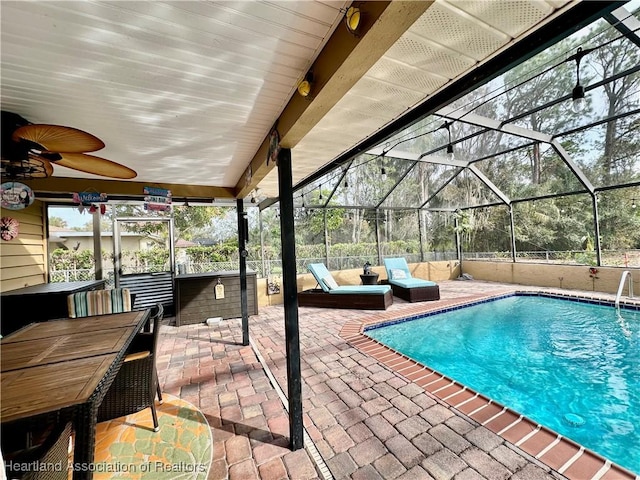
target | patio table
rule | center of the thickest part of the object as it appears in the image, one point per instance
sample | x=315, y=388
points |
x=44, y=372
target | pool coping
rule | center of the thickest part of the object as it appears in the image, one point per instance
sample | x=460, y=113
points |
x=559, y=453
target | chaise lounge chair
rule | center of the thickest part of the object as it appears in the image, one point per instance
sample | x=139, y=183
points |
x=407, y=287
x=331, y=295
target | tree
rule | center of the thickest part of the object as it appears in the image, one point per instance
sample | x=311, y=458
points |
x=187, y=221
x=58, y=222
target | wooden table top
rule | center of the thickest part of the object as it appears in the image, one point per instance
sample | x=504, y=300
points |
x=43, y=351
x=48, y=388
x=58, y=287
x=55, y=328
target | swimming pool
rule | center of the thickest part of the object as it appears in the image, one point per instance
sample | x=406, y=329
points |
x=571, y=366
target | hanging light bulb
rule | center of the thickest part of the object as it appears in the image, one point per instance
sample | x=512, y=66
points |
x=633, y=203
x=450, y=154
x=253, y=197
x=579, y=101
x=447, y=127
x=383, y=173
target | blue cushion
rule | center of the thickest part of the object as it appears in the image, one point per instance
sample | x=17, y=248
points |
x=396, y=264
x=412, y=283
x=361, y=289
x=319, y=271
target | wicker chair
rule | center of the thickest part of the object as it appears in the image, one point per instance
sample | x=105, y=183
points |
x=53, y=452
x=136, y=383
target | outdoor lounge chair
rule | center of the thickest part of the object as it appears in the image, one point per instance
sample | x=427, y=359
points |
x=331, y=295
x=407, y=287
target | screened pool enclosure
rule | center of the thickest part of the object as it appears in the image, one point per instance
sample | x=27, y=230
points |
x=541, y=163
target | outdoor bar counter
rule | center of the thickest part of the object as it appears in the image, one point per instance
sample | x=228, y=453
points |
x=196, y=298
x=38, y=303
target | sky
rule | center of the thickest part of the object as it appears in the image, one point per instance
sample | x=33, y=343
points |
x=71, y=215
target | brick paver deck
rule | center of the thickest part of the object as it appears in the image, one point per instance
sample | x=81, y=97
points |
x=366, y=420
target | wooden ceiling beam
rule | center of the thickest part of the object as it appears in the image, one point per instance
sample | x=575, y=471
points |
x=118, y=187
x=342, y=62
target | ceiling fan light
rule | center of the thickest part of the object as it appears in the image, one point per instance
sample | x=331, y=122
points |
x=352, y=19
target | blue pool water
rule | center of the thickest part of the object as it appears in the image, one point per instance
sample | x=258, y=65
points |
x=571, y=366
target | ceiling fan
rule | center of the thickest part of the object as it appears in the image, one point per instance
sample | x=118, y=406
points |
x=30, y=150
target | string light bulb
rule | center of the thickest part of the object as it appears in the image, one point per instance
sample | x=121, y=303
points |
x=450, y=153
x=633, y=203
x=579, y=101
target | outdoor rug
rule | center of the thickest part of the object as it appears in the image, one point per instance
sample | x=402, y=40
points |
x=127, y=447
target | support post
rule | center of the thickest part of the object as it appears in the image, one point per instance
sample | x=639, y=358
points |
x=596, y=227
x=97, y=246
x=420, y=235
x=377, y=210
x=456, y=228
x=290, y=295
x=243, y=234
x=265, y=274
x=512, y=227
x=326, y=238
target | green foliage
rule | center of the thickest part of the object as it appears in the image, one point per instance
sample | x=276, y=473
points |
x=57, y=222
x=217, y=253
x=62, y=259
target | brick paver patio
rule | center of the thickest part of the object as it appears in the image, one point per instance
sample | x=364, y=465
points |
x=365, y=420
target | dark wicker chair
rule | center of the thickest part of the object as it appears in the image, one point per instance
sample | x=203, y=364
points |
x=136, y=383
x=53, y=453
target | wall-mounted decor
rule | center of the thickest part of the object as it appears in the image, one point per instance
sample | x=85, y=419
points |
x=158, y=199
x=90, y=200
x=87, y=198
x=8, y=228
x=16, y=195
x=274, y=146
x=273, y=286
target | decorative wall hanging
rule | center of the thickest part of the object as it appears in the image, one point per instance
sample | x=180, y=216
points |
x=8, y=228
x=16, y=195
x=90, y=200
x=157, y=199
x=274, y=146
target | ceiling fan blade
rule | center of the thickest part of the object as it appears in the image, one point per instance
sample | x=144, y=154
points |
x=56, y=138
x=96, y=165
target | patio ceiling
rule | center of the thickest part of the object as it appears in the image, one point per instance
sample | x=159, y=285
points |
x=185, y=93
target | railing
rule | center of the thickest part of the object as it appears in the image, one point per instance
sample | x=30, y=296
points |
x=610, y=258
x=626, y=274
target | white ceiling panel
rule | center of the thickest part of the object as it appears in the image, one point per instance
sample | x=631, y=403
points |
x=182, y=92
